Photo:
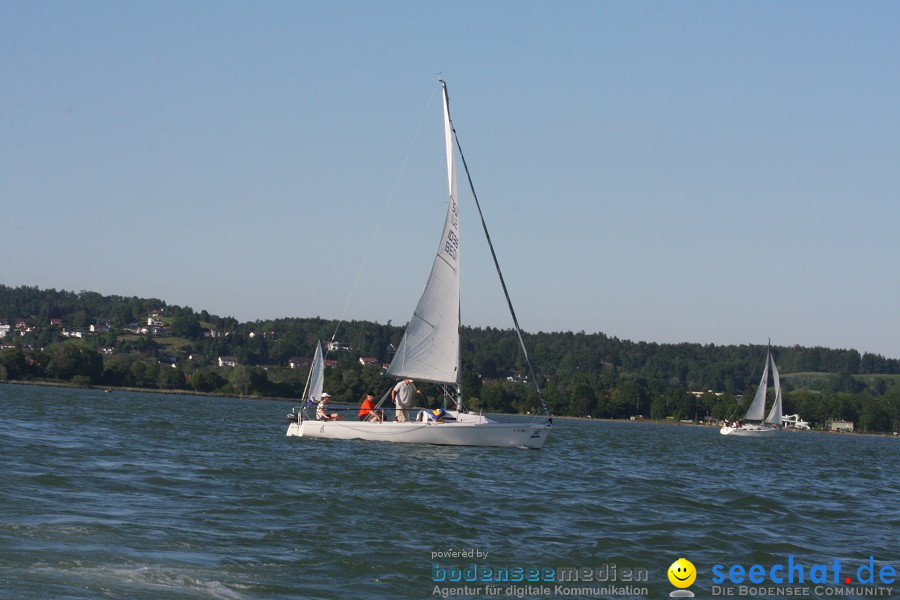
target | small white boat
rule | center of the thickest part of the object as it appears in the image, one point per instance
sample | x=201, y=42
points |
x=429, y=352
x=753, y=424
x=794, y=422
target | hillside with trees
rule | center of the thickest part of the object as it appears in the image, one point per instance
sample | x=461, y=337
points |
x=88, y=339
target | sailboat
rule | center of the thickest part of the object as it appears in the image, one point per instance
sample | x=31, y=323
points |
x=753, y=423
x=429, y=352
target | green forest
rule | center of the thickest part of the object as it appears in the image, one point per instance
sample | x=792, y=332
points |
x=88, y=339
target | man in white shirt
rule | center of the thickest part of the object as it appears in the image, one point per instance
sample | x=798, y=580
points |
x=403, y=395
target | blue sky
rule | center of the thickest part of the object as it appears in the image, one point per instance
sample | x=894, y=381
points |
x=711, y=172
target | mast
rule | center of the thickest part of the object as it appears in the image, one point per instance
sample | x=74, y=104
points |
x=449, y=132
x=774, y=417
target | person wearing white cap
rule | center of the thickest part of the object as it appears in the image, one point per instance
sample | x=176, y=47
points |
x=321, y=413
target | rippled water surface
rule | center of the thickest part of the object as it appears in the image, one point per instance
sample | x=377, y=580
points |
x=129, y=495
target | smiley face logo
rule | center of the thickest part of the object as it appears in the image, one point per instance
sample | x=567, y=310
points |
x=682, y=573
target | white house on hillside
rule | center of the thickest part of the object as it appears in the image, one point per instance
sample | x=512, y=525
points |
x=228, y=361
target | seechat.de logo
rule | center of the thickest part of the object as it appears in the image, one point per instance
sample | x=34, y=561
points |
x=791, y=572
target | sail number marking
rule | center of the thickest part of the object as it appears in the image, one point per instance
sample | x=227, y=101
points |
x=451, y=247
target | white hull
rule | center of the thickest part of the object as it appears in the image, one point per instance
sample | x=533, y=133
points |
x=748, y=430
x=483, y=432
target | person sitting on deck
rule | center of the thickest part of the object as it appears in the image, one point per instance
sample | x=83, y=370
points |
x=367, y=410
x=322, y=414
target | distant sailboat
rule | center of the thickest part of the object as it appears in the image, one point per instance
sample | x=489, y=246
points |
x=429, y=352
x=753, y=423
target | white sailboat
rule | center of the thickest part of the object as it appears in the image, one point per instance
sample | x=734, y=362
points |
x=753, y=423
x=429, y=352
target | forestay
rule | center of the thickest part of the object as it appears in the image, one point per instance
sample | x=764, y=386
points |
x=429, y=350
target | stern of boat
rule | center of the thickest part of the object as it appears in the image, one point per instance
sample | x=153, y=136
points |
x=294, y=429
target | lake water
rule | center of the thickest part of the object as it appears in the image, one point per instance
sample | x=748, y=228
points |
x=131, y=495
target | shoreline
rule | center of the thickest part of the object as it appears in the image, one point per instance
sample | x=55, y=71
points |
x=63, y=384
x=718, y=425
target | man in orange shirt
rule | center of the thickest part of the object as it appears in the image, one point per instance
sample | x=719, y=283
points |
x=367, y=410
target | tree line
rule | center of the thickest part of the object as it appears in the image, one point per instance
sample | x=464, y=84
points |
x=583, y=374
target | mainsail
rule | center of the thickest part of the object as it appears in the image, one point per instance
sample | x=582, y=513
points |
x=758, y=408
x=775, y=414
x=429, y=350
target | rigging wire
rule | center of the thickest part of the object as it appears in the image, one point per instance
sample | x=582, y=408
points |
x=738, y=408
x=487, y=235
x=384, y=211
